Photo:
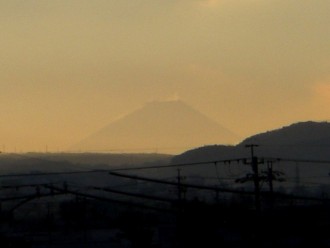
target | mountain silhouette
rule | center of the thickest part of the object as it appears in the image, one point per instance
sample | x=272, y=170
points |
x=301, y=133
x=161, y=126
x=302, y=140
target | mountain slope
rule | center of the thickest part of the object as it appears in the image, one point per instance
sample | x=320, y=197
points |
x=170, y=126
x=304, y=140
x=302, y=133
x=286, y=147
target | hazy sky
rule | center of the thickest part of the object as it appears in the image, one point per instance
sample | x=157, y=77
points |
x=70, y=67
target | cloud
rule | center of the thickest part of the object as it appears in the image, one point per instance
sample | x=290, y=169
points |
x=174, y=97
x=317, y=108
x=205, y=4
x=322, y=92
x=209, y=3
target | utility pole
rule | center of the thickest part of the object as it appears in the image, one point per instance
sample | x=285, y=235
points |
x=297, y=179
x=254, y=163
x=181, y=192
x=270, y=176
x=179, y=187
x=180, y=218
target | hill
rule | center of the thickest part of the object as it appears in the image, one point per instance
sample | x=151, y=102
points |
x=286, y=147
x=303, y=140
x=302, y=133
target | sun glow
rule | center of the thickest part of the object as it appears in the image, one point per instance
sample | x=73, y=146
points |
x=322, y=92
x=209, y=3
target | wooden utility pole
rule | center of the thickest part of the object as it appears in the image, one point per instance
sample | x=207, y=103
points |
x=254, y=164
x=181, y=192
x=179, y=187
x=270, y=176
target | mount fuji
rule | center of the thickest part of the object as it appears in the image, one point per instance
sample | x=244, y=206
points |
x=159, y=126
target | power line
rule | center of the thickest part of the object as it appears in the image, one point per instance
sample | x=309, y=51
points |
x=298, y=160
x=225, y=190
x=139, y=195
x=53, y=173
x=67, y=191
x=31, y=196
x=224, y=161
x=125, y=168
x=188, y=185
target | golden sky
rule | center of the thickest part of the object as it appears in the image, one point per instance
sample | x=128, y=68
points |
x=70, y=67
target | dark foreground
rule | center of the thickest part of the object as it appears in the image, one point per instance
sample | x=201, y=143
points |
x=89, y=223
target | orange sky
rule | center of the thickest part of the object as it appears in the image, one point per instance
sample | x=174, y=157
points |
x=70, y=67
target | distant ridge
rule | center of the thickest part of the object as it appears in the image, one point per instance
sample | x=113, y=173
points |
x=302, y=140
x=302, y=133
x=159, y=126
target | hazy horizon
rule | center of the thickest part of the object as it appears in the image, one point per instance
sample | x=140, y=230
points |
x=72, y=67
